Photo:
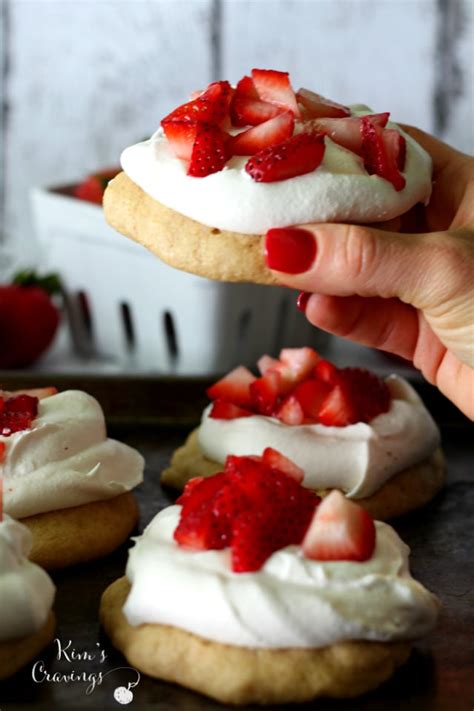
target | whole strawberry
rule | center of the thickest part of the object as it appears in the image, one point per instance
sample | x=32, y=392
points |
x=28, y=319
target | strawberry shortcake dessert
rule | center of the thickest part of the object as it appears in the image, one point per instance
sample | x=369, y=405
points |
x=345, y=428
x=233, y=162
x=63, y=478
x=254, y=590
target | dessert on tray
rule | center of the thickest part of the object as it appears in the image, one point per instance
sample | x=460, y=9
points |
x=63, y=478
x=346, y=428
x=232, y=163
x=27, y=622
x=253, y=590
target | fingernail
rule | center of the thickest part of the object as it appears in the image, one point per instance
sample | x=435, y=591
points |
x=290, y=249
x=302, y=300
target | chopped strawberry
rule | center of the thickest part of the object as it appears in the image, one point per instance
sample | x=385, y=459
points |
x=275, y=87
x=396, y=145
x=266, y=362
x=39, y=393
x=222, y=410
x=265, y=391
x=202, y=530
x=266, y=134
x=358, y=396
x=245, y=111
x=290, y=411
x=275, y=460
x=233, y=387
x=209, y=153
x=90, y=190
x=316, y=106
x=346, y=132
x=340, y=530
x=17, y=413
x=337, y=409
x=210, y=107
x=311, y=395
x=2, y=456
x=325, y=371
x=200, y=490
x=296, y=156
x=181, y=136
x=246, y=88
x=381, y=157
x=300, y=361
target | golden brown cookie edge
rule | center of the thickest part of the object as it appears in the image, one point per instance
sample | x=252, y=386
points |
x=16, y=653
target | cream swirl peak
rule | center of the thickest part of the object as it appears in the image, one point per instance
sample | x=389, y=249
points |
x=65, y=458
x=26, y=591
x=291, y=601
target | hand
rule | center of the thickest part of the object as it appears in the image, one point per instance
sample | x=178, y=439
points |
x=412, y=293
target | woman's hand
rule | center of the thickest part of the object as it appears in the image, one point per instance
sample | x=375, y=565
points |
x=409, y=293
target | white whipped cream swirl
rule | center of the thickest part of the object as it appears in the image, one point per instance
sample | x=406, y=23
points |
x=340, y=189
x=291, y=602
x=65, y=459
x=26, y=590
x=358, y=458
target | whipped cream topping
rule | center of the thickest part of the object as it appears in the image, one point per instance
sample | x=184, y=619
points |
x=358, y=458
x=26, y=590
x=291, y=602
x=65, y=459
x=340, y=189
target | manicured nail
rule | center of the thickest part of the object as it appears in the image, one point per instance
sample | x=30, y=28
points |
x=302, y=300
x=290, y=249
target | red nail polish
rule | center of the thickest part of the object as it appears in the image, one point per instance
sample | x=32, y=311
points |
x=290, y=249
x=302, y=300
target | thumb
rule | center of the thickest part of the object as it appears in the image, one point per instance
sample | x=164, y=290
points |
x=347, y=260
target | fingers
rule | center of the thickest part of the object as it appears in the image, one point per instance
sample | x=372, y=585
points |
x=440, y=152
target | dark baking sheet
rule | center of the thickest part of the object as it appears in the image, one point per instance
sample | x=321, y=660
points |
x=440, y=673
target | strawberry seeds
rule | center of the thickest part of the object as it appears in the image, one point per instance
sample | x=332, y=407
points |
x=17, y=413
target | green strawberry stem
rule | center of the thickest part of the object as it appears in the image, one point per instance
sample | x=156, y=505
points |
x=51, y=283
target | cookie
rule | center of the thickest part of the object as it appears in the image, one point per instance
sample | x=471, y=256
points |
x=408, y=490
x=14, y=654
x=81, y=533
x=240, y=675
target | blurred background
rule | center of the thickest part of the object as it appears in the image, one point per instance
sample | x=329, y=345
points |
x=82, y=79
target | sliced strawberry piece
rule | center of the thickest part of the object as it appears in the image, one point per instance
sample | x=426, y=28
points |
x=2, y=457
x=200, y=490
x=245, y=111
x=91, y=190
x=381, y=158
x=275, y=87
x=266, y=362
x=300, y=361
x=202, y=530
x=396, y=146
x=275, y=460
x=339, y=530
x=246, y=88
x=325, y=371
x=222, y=410
x=211, y=107
x=290, y=411
x=181, y=136
x=265, y=392
x=346, y=132
x=233, y=387
x=358, y=396
x=209, y=153
x=337, y=409
x=316, y=106
x=266, y=134
x=296, y=156
x=39, y=393
x=251, y=544
x=17, y=413
x=311, y=395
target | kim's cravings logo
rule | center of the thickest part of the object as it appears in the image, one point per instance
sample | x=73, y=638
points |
x=70, y=657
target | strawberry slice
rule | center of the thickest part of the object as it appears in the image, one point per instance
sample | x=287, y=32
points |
x=346, y=132
x=209, y=153
x=317, y=106
x=275, y=460
x=290, y=411
x=266, y=362
x=358, y=396
x=222, y=410
x=233, y=387
x=39, y=393
x=296, y=156
x=396, y=145
x=265, y=392
x=246, y=88
x=325, y=371
x=181, y=136
x=339, y=530
x=300, y=361
x=245, y=111
x=210, y=107
x=17, y=413
x=311, y=395
x=266, y=134
x=380, y=157
x=338, y=410
x=275, y=87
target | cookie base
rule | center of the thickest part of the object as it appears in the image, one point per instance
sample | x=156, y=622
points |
x=240, y=675
x=14, y=654
x=81, y=533
x=408, y=490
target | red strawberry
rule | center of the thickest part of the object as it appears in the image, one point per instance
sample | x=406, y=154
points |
x=28, y=319
x=346, y=132
x=311, y=395
x=266, y=134
x=380, y=157
x=296, y=156
x=290, y=411
x=17, y=413
x=396, y=145
x=181, y=136
x=265, y=391
x=245, y=111
x=210, y=107
x=275, y=87
x=339, y=530
x=325, y=371
x=300, y=361
x=275, y=460
x=209, y=153
x=222, y=410
x=316, y=106
x=266, y=362
x=246, y=87
x=199, y=491
x=233, y=387
x=338, y=410
x=358, y=396
x=39, y=393
x=93, y=187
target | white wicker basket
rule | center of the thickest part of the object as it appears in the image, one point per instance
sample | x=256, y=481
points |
x=126, y=304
